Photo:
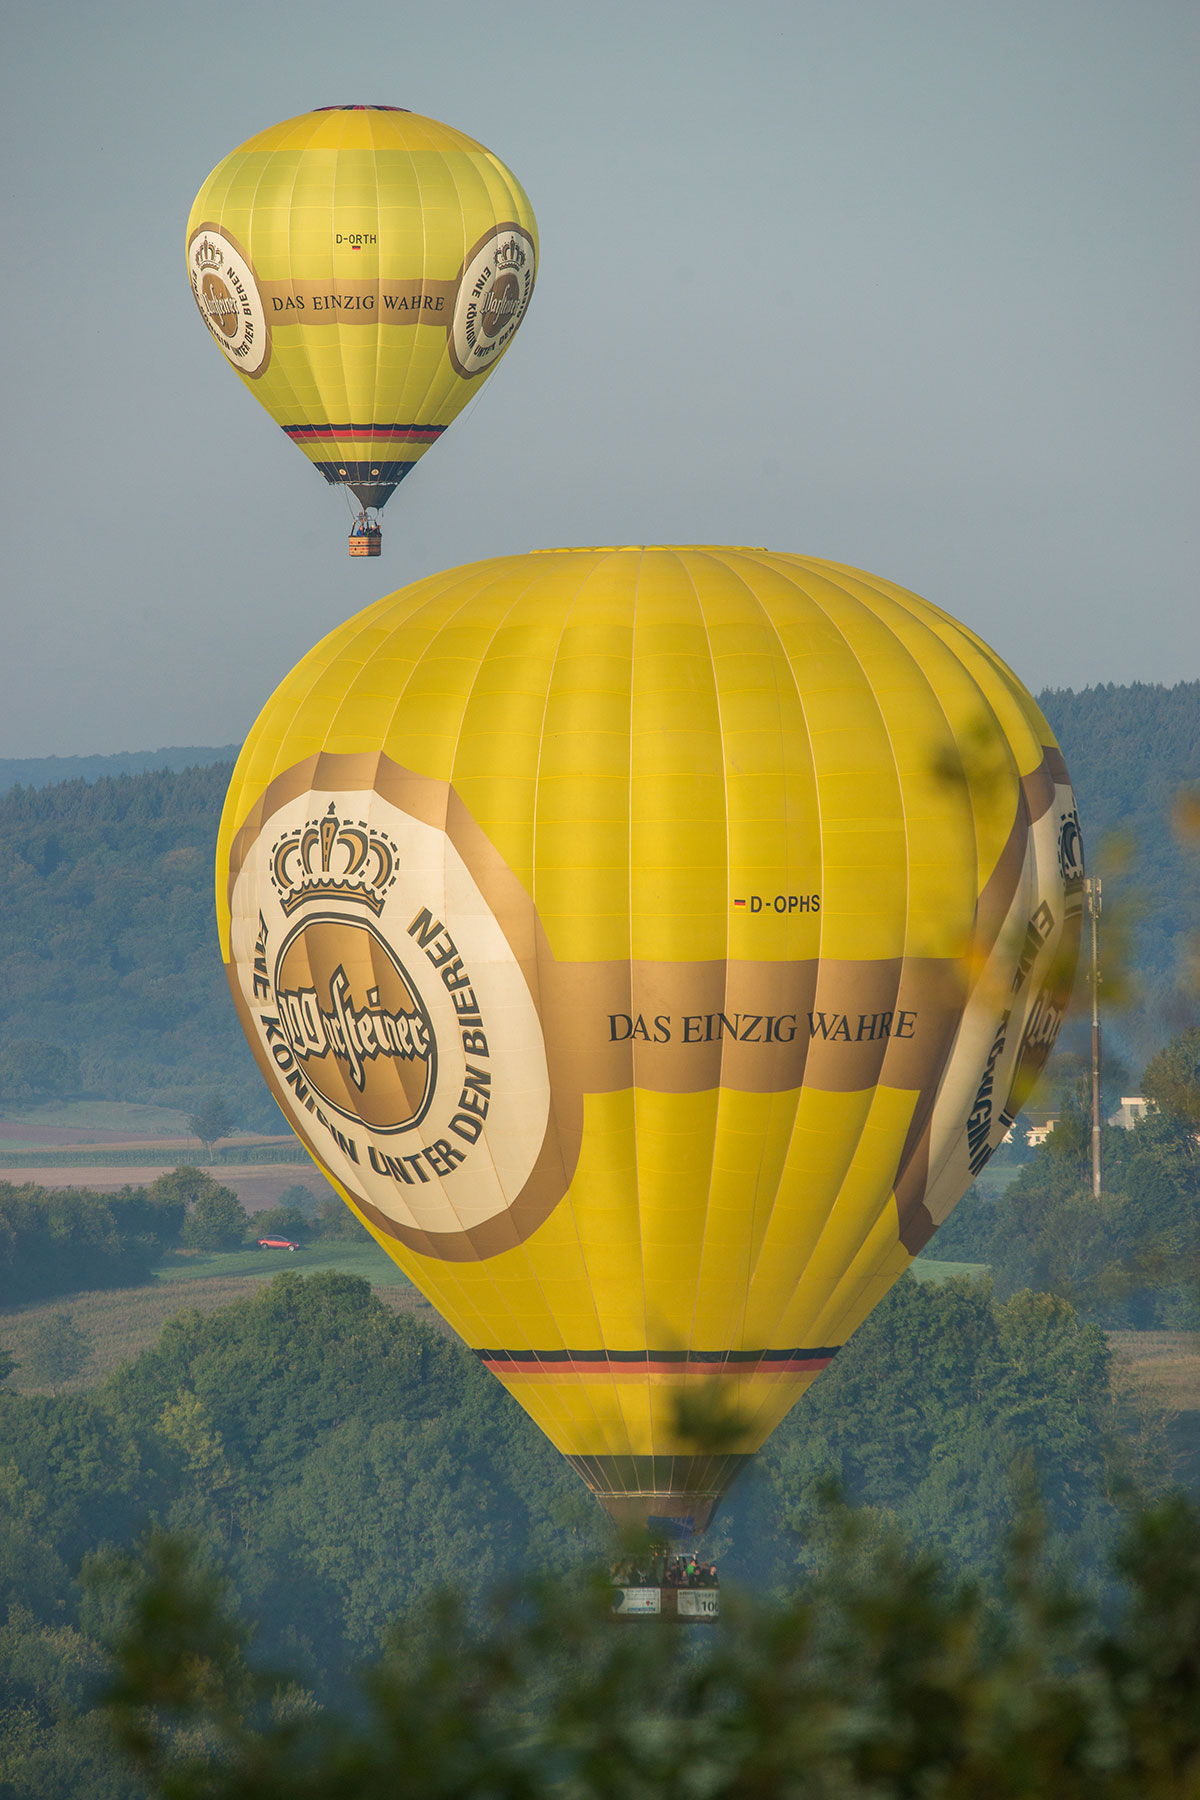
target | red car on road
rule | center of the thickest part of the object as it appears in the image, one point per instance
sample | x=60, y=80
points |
x=277, y=1244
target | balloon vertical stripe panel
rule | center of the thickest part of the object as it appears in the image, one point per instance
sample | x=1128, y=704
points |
x=651, y=944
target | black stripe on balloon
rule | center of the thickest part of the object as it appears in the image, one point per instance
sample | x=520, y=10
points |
x=301, y=433
x=680, y=1358
x=361, y=108
x=373, y=474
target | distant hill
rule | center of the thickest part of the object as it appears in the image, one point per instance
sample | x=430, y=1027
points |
x=108, y=937
x=43, y=771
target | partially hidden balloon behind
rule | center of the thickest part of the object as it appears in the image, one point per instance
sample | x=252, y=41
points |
x=651, y=944
x=363, y=269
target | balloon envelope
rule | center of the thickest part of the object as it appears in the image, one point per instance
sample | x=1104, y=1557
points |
x=651, y=945
x=363, y=269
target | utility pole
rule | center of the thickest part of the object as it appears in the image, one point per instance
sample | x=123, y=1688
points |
x=1091, y=888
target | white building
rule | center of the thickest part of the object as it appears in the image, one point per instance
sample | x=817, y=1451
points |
x=1131, y=1111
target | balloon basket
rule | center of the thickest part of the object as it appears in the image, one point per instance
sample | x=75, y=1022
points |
x=369, y=543
x=675, y=1605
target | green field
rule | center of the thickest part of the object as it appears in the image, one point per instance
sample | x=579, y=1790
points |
x=133, y=1119
x=927, y=1268
x=995, y=1177
x=350, y=1258
x=122, y=1322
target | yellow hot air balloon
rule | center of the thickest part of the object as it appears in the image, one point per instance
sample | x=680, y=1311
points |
x=651, y=945
x=363, y=269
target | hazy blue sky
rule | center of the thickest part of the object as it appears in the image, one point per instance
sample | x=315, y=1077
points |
x=909, y=285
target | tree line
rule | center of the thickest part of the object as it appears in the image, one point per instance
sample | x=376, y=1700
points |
x=335, y=1467
x=58, y=1241
x=108, y=944
x=1130, y=1259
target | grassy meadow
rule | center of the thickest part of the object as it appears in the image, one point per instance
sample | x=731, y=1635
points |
x=122, y=1322
x=929, y=1268
x=350, y=1258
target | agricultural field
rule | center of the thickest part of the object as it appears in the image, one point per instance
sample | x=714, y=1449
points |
x=351, y=1258
x=63, y=1124
x=1166, y=1365
x=929, y=1268
x=122, y=1322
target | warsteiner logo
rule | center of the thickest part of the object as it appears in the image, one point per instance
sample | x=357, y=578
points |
x=352, y=862
x=225, y=289
x=355, y=1022
x=389, y=1009
x=493, y=292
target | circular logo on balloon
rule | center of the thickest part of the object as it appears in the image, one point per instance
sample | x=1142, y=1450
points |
x=355, y=1021
x=385, y=1002
x=493, y=292
x=226, y=291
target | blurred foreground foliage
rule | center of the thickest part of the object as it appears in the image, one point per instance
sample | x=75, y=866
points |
x=879, y=1678
x=337, y=1468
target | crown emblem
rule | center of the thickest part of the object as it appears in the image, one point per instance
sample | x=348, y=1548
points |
x=332, y=859
x=208, y=255
x=509, y=256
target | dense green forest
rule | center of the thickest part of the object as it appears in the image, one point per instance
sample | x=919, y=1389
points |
x=108, y=943
x=338, y=1465
x=108, y=950
x=56, y=1241
x=47, y=771
x=326, y=1467
x=880, y=1679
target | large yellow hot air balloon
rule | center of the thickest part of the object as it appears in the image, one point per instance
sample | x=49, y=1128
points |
x=651, y=944
x=363, y=269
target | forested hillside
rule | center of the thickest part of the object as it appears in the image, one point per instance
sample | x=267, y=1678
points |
x=340, y=1465
x=46, y=771
x=108, y=946
x=108, y=942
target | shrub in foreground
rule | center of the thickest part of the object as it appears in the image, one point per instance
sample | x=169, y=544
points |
x=880, y=1679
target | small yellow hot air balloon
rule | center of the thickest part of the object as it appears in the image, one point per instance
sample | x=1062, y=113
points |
x=363, y=269
x=651, y=945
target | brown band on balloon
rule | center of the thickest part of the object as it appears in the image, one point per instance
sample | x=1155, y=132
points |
x=572, y=1374
x=1035, y=799
x=359, y=300
x=732, y=1021
x=754, y=1027
x=1055, y=764
x=1039, y=790
x=838, y=1026
x=999, y=890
